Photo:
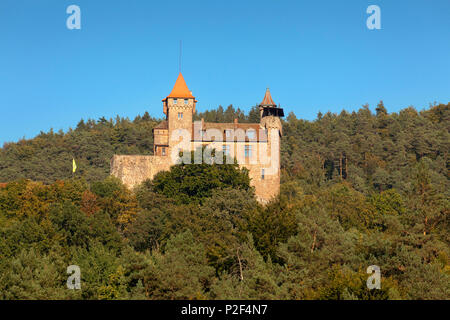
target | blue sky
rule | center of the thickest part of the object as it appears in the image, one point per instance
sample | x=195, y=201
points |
x=314, y=55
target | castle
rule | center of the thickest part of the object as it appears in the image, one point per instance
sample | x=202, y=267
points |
x=255, y=146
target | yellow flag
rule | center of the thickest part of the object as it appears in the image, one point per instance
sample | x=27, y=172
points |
x=74, y=165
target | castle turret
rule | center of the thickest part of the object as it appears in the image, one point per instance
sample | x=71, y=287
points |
x=179, y=108
x=270, y=113
x=269, y=183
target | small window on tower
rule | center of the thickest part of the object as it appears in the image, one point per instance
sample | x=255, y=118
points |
x=248, y=151
x=226, y=149
x=262, y=174
x=186, y=101
x=163, y=151
x=174, y=101
x=180, y=115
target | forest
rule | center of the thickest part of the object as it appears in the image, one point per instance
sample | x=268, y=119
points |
x=358, y=189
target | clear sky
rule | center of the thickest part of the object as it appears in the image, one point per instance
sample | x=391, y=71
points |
x=314, y=55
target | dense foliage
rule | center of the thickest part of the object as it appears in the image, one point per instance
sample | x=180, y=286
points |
x=358, y=189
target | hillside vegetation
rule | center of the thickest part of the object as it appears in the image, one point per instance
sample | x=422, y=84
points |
x=358, y=189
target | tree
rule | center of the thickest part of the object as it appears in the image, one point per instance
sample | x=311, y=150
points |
x=269, y=226
x=181, y=272
x=250, y=277
x=186, y=183
x=31, y=275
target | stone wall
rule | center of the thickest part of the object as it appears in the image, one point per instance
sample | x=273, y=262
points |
x=265, y=189
x=133, y=170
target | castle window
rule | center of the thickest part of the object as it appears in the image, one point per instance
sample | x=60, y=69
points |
x=226, y=149
x=163, y=151
x=186, y=101
x=262, y=174
x=248, y=151
x=228, y=133
x=174, y=101
x=180, y=115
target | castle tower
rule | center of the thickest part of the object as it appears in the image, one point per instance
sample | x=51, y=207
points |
x=270, y=115
x=179, y=108
x=270, y=121
x=269, y=111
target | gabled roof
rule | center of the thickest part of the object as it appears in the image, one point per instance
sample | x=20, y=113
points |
x=162, y=125
x=180, y=89
x=268, y=101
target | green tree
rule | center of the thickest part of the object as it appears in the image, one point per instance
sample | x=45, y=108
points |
x=181, y=272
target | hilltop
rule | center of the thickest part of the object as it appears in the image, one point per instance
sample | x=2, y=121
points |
x=358, y=189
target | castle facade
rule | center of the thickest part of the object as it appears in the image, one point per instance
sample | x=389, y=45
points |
x=255, y=146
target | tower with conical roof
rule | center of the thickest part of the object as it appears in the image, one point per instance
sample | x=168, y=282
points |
x=270, y=113
x=269, y=108
x=270, y=121
x=179, y=108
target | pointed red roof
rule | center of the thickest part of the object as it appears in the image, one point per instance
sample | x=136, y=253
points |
x=180, y=89
x=268, y=101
